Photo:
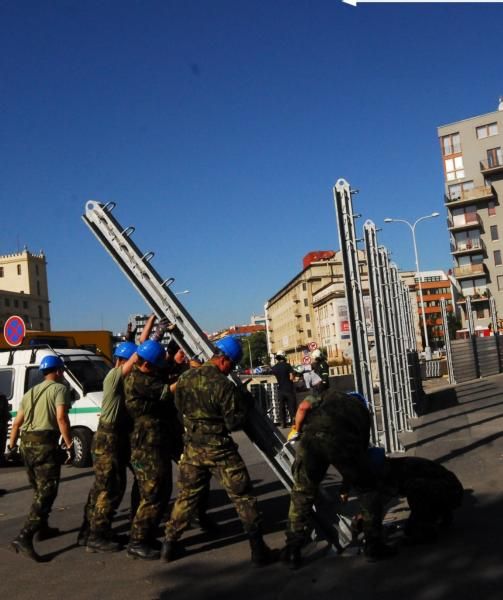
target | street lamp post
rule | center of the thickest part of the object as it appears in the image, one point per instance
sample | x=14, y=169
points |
x=250, y=354
x=181, y=293
x=427, y=349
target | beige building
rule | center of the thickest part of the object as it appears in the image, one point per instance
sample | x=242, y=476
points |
x=23, y=289
x=303, y=311
x=472, y=158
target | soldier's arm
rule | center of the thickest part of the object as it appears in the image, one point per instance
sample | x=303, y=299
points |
x=127, y=367
x=300, y=415
x=16, y=425
x=63, y=402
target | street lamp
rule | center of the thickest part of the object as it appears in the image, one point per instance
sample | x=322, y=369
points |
x=427, y=349
x=250, y=354
x=181, y=293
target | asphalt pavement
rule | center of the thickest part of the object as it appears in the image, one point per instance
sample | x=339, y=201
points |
x=462, y=427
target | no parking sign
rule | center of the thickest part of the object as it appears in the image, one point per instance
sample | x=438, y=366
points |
x=14, y=330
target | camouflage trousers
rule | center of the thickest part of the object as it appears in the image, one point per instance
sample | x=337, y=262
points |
x=196, y=466
x=109, y=483
x=314, y=454
x=41, y=456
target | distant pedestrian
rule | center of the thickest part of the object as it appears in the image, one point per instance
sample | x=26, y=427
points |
x=321, y=368
x=41, y=419
x=285, y=376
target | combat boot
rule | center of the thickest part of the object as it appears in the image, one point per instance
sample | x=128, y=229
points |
x=291, y=556
x=100, y=543
x=261, y=554
x=142, y=550
x=24, y=544
x=171, y=550
x=378, y=550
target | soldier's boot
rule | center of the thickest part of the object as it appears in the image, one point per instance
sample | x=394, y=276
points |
x=171, y=550
x=205, y=522
x=101, y=543
x=23, y=544
x=261, y=554
x=142, y=550
x=376, y=549
x=46, y=532
x=291, y=556
x=83, y=534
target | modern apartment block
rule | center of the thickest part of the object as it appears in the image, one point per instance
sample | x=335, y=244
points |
x=472, y=154
x=23, y=289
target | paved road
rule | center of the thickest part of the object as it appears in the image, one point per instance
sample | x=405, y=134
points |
x=463, y=428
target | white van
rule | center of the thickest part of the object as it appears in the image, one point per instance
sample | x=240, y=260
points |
x=84, y=374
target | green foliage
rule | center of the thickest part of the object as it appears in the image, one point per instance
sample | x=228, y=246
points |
x=257, y=343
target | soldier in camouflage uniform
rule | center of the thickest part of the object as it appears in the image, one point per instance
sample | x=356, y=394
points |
x=42, y=417
x=335, y=430
x=211, y=407
x=110, y=452
x=432, y=492
x=150, y=405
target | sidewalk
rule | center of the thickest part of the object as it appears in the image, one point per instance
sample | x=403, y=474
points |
x=463, y=429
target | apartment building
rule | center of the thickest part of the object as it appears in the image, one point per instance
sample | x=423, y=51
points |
x=23, y=289
x=295, y=314
x=472, y=154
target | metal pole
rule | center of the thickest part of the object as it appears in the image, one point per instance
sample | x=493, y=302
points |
x=447, y=338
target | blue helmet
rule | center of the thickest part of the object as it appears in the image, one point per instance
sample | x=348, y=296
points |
x=125, y=350
x=360, y=397
x=51, y=361
x=152, y=352
x=231, y=347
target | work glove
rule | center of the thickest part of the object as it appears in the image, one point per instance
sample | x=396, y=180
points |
x=293, y=434
x=161, y=328
x=12, y=454
x=131, y=333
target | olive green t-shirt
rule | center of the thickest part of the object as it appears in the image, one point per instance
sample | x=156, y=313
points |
x=39, y=406
x=113, y=396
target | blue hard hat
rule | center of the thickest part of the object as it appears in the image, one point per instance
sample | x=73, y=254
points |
x=152, y=352
x=125, y=350
x=51, y=362
x=231, y=347
x=359, y=396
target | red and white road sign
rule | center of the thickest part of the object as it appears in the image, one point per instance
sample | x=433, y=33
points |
x=14, y=330
x=312, y=346
x=306, y=360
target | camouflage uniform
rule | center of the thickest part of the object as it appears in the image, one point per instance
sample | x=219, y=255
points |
x=40, y=450
x=4, y=424
x=110, y=451
x=336, y=432
x=432, y=492
x=211, y=407
x=150, y=405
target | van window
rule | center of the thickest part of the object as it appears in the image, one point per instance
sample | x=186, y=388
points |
x=89, y=371
x=6, y=382
x=33, y=377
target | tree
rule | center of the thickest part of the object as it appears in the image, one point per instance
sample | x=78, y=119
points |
x=258, y=346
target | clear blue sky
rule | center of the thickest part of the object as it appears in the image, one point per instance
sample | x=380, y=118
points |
x=219, y=128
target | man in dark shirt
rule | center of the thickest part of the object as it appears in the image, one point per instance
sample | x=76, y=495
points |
x=285, y=375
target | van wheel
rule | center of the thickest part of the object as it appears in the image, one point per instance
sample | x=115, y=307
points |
x=82, y=439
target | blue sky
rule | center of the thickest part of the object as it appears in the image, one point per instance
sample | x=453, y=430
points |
x=219, y=128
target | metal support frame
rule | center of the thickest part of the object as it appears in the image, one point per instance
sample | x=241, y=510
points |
x=447, y=340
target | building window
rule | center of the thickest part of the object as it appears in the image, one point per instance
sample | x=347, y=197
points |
x=456, y=191
x=1, y=271
x=308, y=333
x=38, y=288
x=308, y=318
x=305, y=302
x=497, y=257
x=487, y=130
x=25, y=304
x=36, y=269
x=481, y=313
x=451, y=144
x=494, y=157
x=16, y=303
x=454, y=168
x=40, y=311
x=491, y=209
x=19, y=269
x=500, y=282
x=7, y=301
x=494, y=233
x=304, y=286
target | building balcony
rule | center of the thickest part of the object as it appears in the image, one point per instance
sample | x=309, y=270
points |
x=469, y=271
x=483, y=192
x=491, y=167
x=466, y=221
x=478, y=298
x=473, y=246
